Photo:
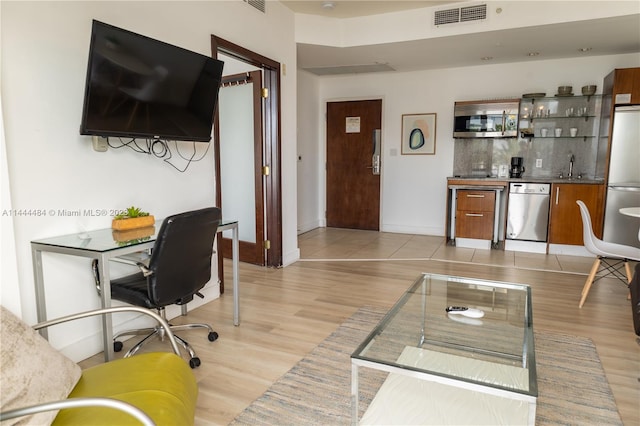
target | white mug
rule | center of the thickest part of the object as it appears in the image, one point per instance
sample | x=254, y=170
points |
x=573, y=132
x=558, y=132
x=544, y=132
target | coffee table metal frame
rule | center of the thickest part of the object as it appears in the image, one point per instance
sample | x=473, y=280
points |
x=419, y=288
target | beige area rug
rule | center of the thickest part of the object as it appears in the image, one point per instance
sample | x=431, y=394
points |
x=572, y=387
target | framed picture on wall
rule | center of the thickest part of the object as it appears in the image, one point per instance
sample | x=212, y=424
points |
x=418, y=134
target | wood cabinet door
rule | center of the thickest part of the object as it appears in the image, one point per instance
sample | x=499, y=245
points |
x=474, y=225
x=565, y=222
x=479, y=201
x=475, y=214
x=627, y=81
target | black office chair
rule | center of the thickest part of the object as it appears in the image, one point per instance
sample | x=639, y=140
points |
x=179, y=266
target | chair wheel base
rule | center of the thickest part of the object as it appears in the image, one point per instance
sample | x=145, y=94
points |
x=194, y=362
x=213, y=336
x=117, y=346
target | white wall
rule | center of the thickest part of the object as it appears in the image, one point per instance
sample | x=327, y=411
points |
x=51, y=167
x=9, y=290
x=414, y=187
x=310, y=153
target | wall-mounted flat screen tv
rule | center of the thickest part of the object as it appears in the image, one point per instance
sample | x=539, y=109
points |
x=139, y=87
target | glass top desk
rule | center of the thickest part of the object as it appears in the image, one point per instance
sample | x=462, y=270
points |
x=447, y=368
x=102, y=245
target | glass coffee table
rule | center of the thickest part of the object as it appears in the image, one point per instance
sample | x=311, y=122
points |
x=446, y=368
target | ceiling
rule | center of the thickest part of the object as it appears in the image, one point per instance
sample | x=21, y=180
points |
x=617, y=35
x=355, y=8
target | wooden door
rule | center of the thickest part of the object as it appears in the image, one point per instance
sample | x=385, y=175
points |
x=565, y=222
x=353, y=188
x=241, y=157
x=271, y=71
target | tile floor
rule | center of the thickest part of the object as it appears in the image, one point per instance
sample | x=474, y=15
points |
x=351, y=244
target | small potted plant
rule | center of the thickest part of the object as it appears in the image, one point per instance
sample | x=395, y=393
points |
x=132, y=218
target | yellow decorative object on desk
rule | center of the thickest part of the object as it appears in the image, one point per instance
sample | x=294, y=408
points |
x=132, y=223
x=141, y=234
x=132, y=218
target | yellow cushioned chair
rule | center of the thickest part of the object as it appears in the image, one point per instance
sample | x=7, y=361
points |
x=37, y=380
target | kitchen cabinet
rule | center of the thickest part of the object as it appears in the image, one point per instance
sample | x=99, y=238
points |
x=620, y=87
x=625, y=85
x=565, y=222
x=475, y=213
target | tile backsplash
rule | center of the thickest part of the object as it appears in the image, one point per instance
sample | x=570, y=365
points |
x=483, y=157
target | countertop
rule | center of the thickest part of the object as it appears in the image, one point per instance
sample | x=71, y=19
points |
x=496, y=180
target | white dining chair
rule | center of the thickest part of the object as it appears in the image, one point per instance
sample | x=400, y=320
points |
x=610, y=257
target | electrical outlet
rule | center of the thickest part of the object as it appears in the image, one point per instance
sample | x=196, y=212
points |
x=538, y=163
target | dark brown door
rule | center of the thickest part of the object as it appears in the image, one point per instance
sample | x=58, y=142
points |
x=241, y=156
x=353, y=189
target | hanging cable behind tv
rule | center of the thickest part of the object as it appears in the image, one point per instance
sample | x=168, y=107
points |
x=168, y=150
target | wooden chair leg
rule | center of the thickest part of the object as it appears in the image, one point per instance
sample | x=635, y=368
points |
x=590, y=278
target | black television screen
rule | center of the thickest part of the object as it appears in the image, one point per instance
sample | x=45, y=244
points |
x=144, y=88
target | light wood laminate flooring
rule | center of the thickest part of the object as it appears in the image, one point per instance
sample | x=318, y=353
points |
x=286, y=312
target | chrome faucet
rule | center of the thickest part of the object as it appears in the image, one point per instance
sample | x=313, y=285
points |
x=571, y=160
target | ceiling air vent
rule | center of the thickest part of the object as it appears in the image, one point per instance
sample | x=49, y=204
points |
x=473, y=13
x=464, y=14
x=449, y=16
x=258, y=4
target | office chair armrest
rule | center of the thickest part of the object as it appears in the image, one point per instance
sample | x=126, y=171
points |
x=105, y=311
x=77, y=403
x=140, y=262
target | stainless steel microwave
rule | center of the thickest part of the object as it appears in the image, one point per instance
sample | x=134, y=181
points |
x=486, y=119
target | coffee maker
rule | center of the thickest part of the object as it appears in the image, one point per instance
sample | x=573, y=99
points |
x=517, y=169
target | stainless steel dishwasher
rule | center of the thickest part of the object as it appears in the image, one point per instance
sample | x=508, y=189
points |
x=528, y=211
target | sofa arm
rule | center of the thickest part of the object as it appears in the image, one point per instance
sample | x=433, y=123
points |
x=105, y=311
x=79, y=403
